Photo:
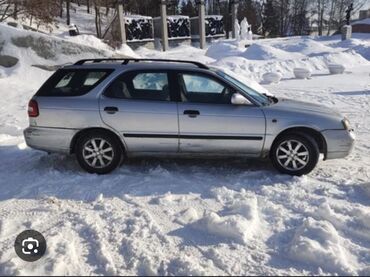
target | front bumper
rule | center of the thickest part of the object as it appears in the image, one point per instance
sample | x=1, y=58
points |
x=339, y=143
x=49, y=139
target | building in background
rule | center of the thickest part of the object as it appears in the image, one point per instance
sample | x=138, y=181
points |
x=364, y=14
x=361, y=26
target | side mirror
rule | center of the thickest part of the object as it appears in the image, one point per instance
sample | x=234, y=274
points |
x=238, y=99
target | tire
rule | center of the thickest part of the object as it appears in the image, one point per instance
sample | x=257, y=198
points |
x=101, y=158
x=302, y=159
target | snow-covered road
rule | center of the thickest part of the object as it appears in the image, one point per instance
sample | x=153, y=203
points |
x=182, y=217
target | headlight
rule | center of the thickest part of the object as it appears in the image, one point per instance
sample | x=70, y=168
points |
x=346, y=124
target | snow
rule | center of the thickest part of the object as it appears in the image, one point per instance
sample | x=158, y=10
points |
x=177, y=17
x=125, y=50
x=192, y=217
x=239, y=220
x=222, y=49
x=318, y=243
x=265, y=52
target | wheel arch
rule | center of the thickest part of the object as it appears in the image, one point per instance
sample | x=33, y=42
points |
x=316, y=135
x=92, y=129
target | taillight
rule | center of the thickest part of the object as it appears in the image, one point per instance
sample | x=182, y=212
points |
x=33, y=108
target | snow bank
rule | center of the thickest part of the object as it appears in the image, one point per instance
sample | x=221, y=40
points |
x=317, y=65
x=126, y=50
x=235, y=227
x=249, y=82
x=351, y=221
x=89, y=40
x=360, y=46
x=182, y=52
x=239, y=221
x=37, y=48
x=317, y=243
x=261, y=51
x=220, y=50
x=303, y=45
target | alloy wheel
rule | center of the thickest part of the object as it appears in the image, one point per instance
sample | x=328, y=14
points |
x=98, y=153
x=292, y=155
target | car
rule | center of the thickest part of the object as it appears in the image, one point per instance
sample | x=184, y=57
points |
x=107, y=110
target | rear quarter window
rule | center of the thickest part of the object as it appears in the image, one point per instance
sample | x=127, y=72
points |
x=73, y=82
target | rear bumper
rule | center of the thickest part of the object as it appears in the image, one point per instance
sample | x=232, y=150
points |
x=339, y=143
x=49, y=139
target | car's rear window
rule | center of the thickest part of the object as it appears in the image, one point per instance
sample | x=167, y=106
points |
x=73, y=82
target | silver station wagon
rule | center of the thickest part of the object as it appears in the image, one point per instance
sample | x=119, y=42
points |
x=106, y=110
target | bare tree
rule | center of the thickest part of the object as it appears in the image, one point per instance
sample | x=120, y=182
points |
x=299, y=18
x=68, y=7
x=88, y=6
x=61, y=8
x=5, y=10
x=97, y=5
x=41, y=12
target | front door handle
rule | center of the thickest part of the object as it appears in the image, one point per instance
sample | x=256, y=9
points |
x=111, y=110
x=192, y=113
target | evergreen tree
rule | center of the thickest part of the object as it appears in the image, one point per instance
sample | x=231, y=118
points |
x=188, y=7
x=247, y=9
x=270, y=21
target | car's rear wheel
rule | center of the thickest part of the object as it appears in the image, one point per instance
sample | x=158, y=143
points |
x=98, y=152
x=295, y=154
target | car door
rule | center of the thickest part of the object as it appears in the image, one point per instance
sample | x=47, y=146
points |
x=209, y=123
x=139, y=106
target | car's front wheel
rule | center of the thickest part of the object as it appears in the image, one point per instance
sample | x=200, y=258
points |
x=98, y=152
x=295, y=154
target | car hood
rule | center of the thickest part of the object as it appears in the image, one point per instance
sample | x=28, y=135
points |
x=299, y=106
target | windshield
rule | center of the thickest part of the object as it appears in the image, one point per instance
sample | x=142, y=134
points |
x=258, y=97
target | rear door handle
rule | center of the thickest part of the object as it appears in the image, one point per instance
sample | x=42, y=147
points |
x=192, y=113
x=111, y=110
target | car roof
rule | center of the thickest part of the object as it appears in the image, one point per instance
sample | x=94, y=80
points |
x=142, y=65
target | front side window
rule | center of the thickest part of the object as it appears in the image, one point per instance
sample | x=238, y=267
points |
x=203, y=89
x=72, y=82
x=142, y=85
x=260, y=98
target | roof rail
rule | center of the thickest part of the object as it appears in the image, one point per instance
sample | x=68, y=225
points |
x=127, y=60
x=198, y=64
x=81, y=62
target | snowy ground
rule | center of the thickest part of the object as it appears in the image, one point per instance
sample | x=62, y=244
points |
x=198, y=217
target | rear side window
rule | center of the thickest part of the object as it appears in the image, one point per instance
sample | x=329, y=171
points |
x=150, y=81
x=73, y=82
x=140, y=86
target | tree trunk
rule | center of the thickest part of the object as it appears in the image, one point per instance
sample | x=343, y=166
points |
x=321, y=21
x=97, y=21
x=61, y=9
x=331, y=16
x=106, y=7
x=281, y=19
x=88, y=6
x=68, y=15
x=15, y=12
